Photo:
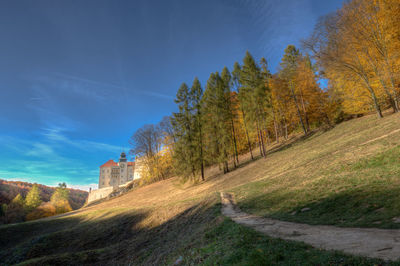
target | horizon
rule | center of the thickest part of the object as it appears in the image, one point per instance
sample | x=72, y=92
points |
x=79, y=78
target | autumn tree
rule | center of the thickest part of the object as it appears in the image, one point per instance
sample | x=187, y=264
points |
x=355, y=49
x=32, y=199
x=15, y=211
x=60, y=198
x=147, y=145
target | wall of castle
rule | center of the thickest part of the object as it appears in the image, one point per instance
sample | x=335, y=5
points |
x=102, y=193
x=99, y=193
x=105, y=177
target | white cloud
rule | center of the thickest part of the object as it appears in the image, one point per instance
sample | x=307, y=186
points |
x=55, y=134
x=84, y=187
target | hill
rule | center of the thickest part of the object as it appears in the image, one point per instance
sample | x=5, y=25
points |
x=10, y=189
x=347, y=176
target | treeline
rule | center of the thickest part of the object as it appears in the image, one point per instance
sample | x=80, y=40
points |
x=32, y=207
x=356, y=51
x=10, y=189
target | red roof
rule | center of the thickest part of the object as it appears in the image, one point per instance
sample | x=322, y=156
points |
x=109, y=163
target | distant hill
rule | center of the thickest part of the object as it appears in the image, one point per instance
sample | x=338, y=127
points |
x=9, y=189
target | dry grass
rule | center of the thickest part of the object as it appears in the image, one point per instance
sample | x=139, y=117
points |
x=131, y=227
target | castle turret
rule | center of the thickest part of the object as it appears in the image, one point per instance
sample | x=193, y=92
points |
x=122, y=158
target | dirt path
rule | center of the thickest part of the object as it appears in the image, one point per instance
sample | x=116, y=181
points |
x=369, y=242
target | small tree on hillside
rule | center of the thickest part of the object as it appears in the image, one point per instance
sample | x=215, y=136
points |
x=15, y=210
x=60, y=199
x=33, y=200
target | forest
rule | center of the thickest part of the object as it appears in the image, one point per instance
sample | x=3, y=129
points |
x=21, y=201
x=348, y=67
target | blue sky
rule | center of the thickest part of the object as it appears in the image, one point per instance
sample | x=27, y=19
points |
x=77, y=78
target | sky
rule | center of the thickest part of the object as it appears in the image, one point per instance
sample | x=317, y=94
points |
x=77, y=78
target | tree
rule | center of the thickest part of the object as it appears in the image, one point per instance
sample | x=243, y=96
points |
x=60, y=198
x=335, y=47
x=253, y=97
x=288, y=71
x=32, y=199
x=230, y=109
x=184, y=123
x=15, y=211
x=148, y=145
x=18, y=201
x=236, y=81
x=196, y=93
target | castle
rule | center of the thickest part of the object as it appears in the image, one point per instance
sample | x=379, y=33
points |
x=113, y=174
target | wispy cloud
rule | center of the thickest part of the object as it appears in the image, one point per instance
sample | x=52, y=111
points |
x=55, y=135
x=108, y=88
x=53, y=157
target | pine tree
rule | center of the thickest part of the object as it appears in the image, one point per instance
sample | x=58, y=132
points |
x=32, y=199
x=18, y=201
x=188, y=149
x=210, y=121
x=236, y=80
x=229, y=109
x=253, y=96
x=196, y=93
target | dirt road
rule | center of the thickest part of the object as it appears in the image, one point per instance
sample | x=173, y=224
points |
x=368, y=242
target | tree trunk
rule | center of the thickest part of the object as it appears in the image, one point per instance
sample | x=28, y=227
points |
x=268, y=137
x=373, y=96
x=297, y=108
x=260, y=141
x=276, y=129
x=286, y=133
x=247, y=134
x=304, y=111
x=201, y=155
x=234, y=141
x=374, y=66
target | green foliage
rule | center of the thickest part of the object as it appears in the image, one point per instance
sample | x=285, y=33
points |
x=15, y=211
x=60, y=198
x=218, y=116
x=18, y=201
x=188, y=150
x=3, y=209
x=254, y=96
x=61, y=193
x=32, y=199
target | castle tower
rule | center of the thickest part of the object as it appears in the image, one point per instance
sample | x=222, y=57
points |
x=123, y=164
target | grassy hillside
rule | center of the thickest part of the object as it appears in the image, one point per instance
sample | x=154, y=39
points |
x=346, y=176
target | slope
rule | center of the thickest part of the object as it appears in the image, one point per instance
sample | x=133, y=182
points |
x=169, y=221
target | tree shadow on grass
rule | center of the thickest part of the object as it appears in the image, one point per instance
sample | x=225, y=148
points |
x=356, y=207
x=290, y=143
x=198, y=234
x=99, y=240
